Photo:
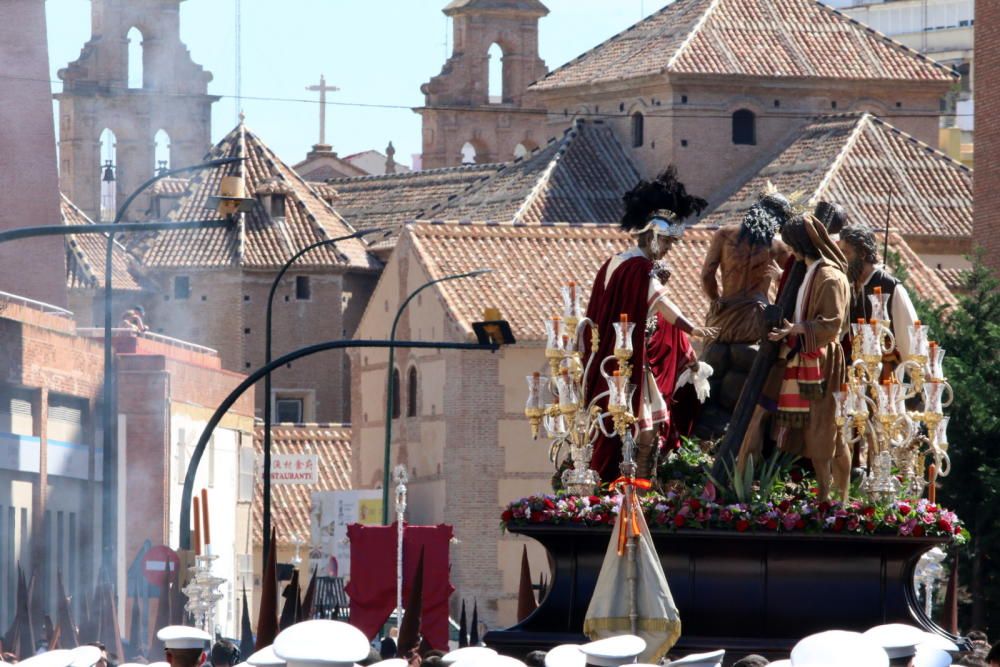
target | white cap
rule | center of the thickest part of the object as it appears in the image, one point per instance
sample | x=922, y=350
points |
x=265, y=658
x=934, y=640
x=898, y=639
x=927, y=656
x=838, y=648
x=780, y=663
x=321, y=643
x=468, y=652
x=614, y=651
x=391, y=662
x=56, y=658
x=566, y=655
x=85, y=656
x=710, y=659
x=183, y=637
x=160, y=663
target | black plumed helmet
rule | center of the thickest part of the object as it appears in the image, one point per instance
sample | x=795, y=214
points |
x=665, y=192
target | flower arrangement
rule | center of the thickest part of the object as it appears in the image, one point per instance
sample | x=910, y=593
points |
x=703, y=511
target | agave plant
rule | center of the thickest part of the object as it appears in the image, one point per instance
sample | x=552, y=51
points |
x=740, y=483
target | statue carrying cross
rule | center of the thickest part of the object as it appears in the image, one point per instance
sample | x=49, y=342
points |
x=323, y=89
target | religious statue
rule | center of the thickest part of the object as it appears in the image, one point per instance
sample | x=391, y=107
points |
x=749, y=258
x=631, y=284
x=811, y=366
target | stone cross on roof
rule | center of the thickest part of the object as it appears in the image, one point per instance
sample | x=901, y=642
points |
x=323, y=89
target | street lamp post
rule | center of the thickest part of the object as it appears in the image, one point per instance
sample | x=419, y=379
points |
x=110, y=461
x=228, y=402
x=267, y=378
x=389, y=381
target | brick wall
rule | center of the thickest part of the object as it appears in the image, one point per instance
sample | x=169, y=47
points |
x=987, y=179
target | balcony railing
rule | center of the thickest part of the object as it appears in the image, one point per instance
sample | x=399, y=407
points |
x=98, y=332
x=40, y=306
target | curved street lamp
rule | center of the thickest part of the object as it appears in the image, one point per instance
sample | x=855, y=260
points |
x=389, y=382
x=267, y=378
x=110, y=462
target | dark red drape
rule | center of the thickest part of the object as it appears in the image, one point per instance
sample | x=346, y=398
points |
x=372, y=587
x=626, y=293
x=668, y=353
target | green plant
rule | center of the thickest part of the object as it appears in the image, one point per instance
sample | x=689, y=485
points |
x=746, y=486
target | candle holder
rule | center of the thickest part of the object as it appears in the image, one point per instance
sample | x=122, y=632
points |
x=875, y=413
x=557, y=402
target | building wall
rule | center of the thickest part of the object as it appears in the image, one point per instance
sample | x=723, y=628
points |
x=50, y=463
x=688, y=122
x=987, y=189
x=28, y=177
x=464, y=462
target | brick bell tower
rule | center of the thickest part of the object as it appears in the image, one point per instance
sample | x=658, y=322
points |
x=461, y=121
x=132, y=102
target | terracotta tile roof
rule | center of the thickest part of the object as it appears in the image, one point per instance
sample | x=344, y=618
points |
x=291, y=503
x=85, y=254
x=579, y=177
x=766, y=38
x=856, y=161
x=531, y=262
x=388, y=201
x=256, y=241
x=171, y=186
x=954, y=279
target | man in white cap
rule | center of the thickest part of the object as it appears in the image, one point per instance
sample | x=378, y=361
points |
x=466, y=653
x=929, y=656
x=838, y=648
x=321, y=643
x=566, y=655
x=614, y=651
x=184, y=645
x=899, y=640
x=710, y=659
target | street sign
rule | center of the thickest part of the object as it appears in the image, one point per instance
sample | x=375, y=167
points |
x=157, y=562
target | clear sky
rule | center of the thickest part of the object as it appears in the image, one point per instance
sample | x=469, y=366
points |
x=375, y=51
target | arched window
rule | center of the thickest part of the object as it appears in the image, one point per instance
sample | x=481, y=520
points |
x=468, y=153
x=109, y=175
x=744, y=127
x=135, y=76
x=496, y=88
x=520, y=151
x=638, y=129
x=411, y=392
x=395, y=394
x=162, y=150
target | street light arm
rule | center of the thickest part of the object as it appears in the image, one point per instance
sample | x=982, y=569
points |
x=253, y=378
x=389, y=384
x=267, y=378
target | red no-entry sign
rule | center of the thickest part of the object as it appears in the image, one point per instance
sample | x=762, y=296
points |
x=157, y=562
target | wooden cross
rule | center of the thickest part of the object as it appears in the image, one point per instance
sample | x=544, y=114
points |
x=323, y=89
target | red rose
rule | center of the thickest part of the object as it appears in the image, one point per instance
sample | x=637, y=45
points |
x=594, y=500
x=679, y=521
x=918, y=531
x=772, y=524
x=868, y=511
x=597, y=518
x=537, y=517
x=800, y=524
x=796, y=475
x=742, y=525
x=549, y=504
x=904, y=509
x=506, y=516
x=869, y=526
x=944, y=525
x=695, y=504
x=784, y=505
x=958, y=529
x=824, y=506
x=838, y=525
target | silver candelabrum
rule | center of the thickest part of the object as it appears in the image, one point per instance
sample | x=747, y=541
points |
x=872, y=408
x=202, y=591
x=558, y=403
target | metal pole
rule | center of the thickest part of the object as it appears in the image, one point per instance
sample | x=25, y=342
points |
x=388, y=381
x=253, y=378
x=109, y=518
x=267, y=378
